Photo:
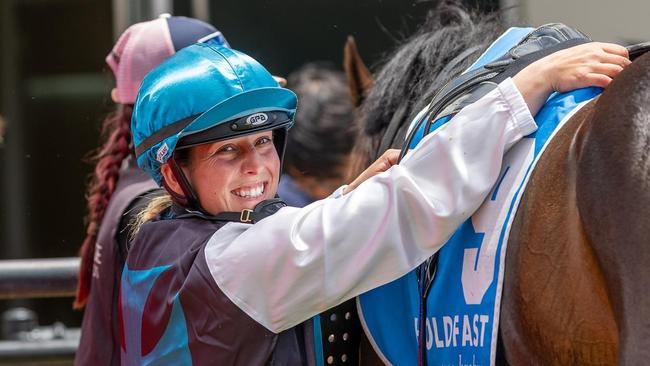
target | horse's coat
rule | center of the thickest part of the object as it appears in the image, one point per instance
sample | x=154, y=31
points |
x=585, y=256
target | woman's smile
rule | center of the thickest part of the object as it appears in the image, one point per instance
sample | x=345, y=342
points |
x=251, y=191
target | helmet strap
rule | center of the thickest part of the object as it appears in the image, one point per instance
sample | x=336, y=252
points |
x=189, y=198
x=280, y=142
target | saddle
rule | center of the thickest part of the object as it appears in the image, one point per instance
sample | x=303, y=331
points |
x=472, y=85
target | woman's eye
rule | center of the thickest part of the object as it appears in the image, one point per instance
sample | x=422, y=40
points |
x=227, y=149
x=263, y=140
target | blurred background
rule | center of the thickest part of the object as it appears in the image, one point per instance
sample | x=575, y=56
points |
x=54, y=86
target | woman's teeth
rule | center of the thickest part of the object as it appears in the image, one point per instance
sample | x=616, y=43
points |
x=253, y=192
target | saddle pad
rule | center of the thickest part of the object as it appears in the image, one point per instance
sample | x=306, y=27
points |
x=463, y=304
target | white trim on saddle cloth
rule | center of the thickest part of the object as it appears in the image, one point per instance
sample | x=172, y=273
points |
x=463, y=304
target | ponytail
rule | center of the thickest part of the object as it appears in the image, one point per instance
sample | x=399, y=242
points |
x=153, y=209
x=116, y=134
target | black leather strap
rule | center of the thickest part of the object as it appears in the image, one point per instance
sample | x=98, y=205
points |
x=638, y=49
x=189, y=198
x=341, y=334
x=262, y=210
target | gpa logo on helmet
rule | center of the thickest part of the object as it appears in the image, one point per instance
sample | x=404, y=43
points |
x=161, y=153
x=257, y=119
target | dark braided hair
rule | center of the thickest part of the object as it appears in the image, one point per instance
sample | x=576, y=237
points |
x=116, y=146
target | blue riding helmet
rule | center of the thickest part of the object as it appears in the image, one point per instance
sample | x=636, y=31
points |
x=206, y=93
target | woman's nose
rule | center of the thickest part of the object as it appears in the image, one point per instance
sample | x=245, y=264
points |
x=252, y=162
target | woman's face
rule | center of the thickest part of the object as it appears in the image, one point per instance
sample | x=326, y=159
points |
x=234, y=174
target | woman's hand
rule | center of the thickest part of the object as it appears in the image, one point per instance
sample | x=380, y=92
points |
x=385, y=161
x=590, y=64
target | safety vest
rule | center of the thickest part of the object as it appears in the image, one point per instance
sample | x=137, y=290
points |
x=172, y=310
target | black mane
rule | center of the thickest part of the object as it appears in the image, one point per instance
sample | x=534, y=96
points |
x=419, y=67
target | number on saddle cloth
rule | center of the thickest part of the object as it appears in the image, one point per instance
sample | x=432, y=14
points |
x=401, y=328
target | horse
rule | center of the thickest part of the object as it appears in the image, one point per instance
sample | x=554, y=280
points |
x=576, y=282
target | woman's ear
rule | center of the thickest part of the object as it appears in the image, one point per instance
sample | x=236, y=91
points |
x=170, y=181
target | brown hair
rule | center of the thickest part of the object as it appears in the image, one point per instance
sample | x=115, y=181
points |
x=116, y=146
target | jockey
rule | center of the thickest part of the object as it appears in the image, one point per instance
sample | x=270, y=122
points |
x=222, y=273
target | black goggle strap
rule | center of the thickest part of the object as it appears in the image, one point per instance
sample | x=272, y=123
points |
x=162, y=134
x=189, y=198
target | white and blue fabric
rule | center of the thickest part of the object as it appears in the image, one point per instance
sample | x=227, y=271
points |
x=463, y=304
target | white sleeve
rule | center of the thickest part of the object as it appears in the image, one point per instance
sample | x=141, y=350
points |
x=302, y=261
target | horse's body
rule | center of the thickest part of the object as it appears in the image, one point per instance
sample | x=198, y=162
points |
x=576, y=280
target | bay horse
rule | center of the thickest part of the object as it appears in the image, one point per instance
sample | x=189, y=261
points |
x=577, y=281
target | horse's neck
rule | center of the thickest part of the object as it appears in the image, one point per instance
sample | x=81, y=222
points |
x=555, y=307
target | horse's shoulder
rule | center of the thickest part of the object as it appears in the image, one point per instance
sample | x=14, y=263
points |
x=552, y=268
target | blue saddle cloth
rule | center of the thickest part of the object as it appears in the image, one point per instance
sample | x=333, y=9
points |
x=463, y=303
